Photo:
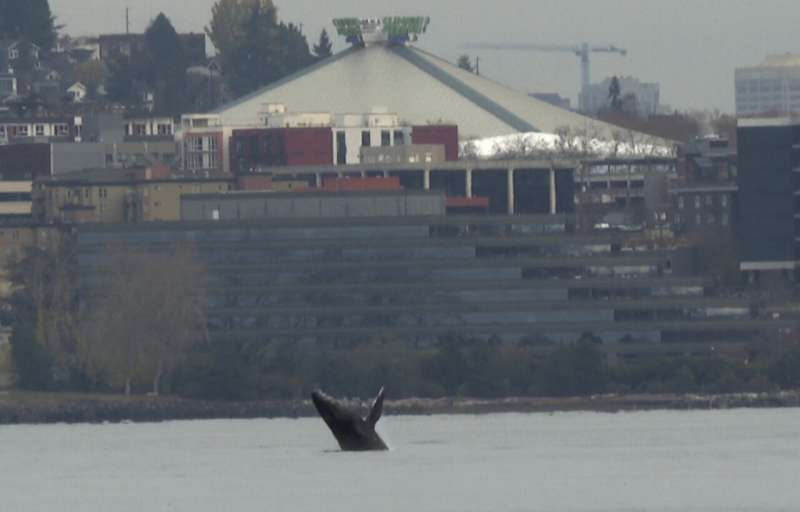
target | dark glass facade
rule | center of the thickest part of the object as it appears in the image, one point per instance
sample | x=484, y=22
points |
x=769, y=158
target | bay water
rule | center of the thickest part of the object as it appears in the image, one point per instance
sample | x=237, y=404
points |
x=744, y=460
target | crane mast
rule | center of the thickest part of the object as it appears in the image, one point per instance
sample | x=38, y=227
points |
x=582, y=51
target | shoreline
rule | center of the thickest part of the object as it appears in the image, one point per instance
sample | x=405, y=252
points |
x=74, y=409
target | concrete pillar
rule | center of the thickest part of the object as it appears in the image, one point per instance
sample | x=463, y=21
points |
x=318, y=180
x=385, y=174
x=363, y=174
x=553, y=196
x=426, y=179
x=468, y=182
x=510, y=191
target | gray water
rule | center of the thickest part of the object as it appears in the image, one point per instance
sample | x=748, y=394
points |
x=740, y=460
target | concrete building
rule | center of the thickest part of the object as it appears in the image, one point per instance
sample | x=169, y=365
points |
x=769, y=89
x=703, y=196
x=411, y=154
x=310, y=205
x=769, y=188
x=113, y=196
x=646, y=96
x=511, y=186
x=633, y=189
x=703, y=208
x=344, y=281
x=140, y=128
x=40, y=129
x=22, y=164
x=302, y=138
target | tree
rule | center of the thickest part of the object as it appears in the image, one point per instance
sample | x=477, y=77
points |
x=323, y=48
x=465, y=63
x=92, y=74
x=43, y=307
x=615, y=95
x=254, y=49
x=146, y=317
x=165, y=67
x=31, y=19
x=574, y=370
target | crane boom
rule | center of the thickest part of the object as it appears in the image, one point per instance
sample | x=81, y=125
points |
x=582, y=51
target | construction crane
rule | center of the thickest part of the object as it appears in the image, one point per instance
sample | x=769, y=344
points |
x=582, y=51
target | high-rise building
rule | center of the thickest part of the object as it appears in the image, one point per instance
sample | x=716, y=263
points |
x=645, y=98
x=769, y=184
x=770, y=89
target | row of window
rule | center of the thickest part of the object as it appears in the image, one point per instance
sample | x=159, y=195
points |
x=140, y=129
x=23, y=130
x=710, y=219
x=698, y=200
x=386, y=138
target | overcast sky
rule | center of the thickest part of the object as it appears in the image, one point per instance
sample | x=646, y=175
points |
x=690, y=47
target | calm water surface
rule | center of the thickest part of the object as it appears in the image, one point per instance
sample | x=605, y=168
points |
x=741, y=460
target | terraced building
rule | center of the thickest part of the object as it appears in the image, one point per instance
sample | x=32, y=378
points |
x=514, y=279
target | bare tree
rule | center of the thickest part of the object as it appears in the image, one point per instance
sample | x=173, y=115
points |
x=147, y=315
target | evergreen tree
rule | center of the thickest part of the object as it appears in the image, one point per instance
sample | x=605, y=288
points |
x=165, y=66
x=615, y=94
x=30, y=19
x=465, y=63
x=254, y=48
x=323, y=48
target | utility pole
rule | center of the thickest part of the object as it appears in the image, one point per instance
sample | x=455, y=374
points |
x=127, y=20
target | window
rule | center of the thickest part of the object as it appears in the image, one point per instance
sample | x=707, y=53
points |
x=709, y=200
x=103, y=193
x=164, y=129
x=341, y=148
x=386, y=138
x=680, y=203
x=139, y=129
x=22, y=130
x=697, y=203
x=366, y=138
x=399, y=138
x=61, y=130
x=698, y=219
x=40, y=130
x=723, y=200
x=711, y=219
x=724, y=219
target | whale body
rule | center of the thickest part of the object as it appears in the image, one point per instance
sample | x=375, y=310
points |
x=352, y=432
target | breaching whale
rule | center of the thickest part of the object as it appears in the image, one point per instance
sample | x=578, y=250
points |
x=351, y=431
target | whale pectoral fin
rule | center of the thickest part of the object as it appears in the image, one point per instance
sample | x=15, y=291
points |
x=376, y=411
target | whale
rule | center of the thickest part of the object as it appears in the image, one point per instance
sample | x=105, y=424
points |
x=352, y=432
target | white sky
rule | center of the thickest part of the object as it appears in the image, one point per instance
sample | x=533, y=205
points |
x=690, y=46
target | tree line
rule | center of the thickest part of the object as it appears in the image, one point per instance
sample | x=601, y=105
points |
x=130, y=323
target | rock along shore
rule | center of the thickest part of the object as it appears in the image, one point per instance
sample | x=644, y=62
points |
x=54, y=408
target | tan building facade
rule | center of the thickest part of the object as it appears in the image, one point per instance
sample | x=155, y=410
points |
x=116, y=201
